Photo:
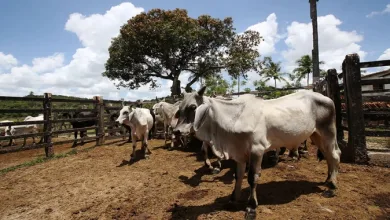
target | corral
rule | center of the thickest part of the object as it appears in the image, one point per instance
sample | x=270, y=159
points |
x=96, y=180
x=98, y=184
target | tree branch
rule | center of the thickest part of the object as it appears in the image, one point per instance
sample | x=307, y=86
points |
x=192, y=81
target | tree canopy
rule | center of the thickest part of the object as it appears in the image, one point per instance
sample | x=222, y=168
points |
x=305, y=67
x=271, y=70
x=164, y=43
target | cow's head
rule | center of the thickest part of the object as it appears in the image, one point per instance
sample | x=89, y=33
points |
x=125, y=115
x=186, y=113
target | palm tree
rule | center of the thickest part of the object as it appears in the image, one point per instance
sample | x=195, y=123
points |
x=305, y=67
x=271, y=70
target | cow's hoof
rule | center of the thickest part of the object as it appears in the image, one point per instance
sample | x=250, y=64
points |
x=250, y=214
x=132, y=160
x=216, y=170
x=170, y=148
x=147, y=157
x=331, y=185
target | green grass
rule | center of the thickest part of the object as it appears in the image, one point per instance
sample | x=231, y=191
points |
x=43, y=159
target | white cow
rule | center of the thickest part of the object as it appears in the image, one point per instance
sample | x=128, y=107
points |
x=4, y=128
x=140, y=121
x=247, y=127
x=26, y=129
x=167, y=112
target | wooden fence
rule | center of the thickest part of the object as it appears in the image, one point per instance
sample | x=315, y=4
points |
x=349, y=94
x=101, y=126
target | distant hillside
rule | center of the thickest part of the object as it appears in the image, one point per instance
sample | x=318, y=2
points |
x=37, y=105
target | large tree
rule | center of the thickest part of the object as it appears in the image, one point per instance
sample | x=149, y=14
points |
x=271, y=70
x=305, y=67
x=164, y=43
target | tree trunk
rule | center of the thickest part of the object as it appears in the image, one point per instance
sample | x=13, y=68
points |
x=275, y=83
x=175, y=89
x=308, y=74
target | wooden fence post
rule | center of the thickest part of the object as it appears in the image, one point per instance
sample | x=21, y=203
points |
x=47, y=127
x=354, y=103
x=333, y=92
x=99, y=109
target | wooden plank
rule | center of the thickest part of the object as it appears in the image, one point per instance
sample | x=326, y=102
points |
x=378, y=133
x=377, y=63
x=375, y=81
x=10, y=98
x=47, y=126
x=333, y=91
x=20, y=123
x=73, y=110
x=357, y=151
x=90, y=101
x=74, y=120
x=376, y=91
x=2, y=111
x=21, y=136
x=380, y=98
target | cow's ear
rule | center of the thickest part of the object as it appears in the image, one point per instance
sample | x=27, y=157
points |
x=201, y=91
x=132, y=108
x=201, y=115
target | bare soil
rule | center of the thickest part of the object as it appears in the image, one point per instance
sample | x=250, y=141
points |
x=101, y=184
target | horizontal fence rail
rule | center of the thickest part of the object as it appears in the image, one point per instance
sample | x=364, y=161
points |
x=377, y=63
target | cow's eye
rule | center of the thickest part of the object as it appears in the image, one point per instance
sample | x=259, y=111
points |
x=125, y=113
x=193, y=107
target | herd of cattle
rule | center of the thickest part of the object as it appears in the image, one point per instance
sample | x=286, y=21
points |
x=241, y=129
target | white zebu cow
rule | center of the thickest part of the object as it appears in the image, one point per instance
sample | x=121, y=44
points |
x=140, y=121
x=3, y=128
x=167, y=112
x=26, y=129
x=245, y=128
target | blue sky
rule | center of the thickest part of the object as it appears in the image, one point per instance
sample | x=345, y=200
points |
x=37, y=29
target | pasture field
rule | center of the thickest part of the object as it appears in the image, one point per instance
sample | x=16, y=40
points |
x=98, y=183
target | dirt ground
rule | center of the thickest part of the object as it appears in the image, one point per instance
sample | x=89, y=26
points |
x=100, y=184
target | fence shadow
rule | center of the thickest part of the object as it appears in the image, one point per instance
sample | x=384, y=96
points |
x=272, y=193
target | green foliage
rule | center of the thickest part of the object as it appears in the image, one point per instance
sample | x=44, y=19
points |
x=270, y=92
x=271, y=70
x=216, y=85
x=164, y=43
x=305, y=67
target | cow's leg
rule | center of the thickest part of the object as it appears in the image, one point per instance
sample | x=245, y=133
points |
x=145, y=148
x=206, y=156
x=82, y=135
x=134, y=140
x=253, y=175
x=327, y=144
x=24, y=142
x=239, y=175
x=165, y=133
x=75, y=139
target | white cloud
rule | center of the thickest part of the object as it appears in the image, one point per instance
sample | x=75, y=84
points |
x=82, y=76
x=385, y=55
x=384, y=11
x=44, y=64
x=334, y=43
x=268, y=29
x=7, y=61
